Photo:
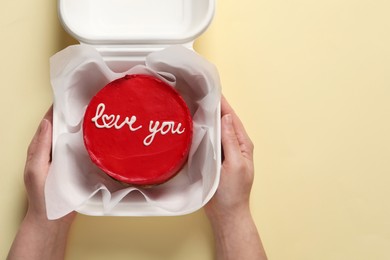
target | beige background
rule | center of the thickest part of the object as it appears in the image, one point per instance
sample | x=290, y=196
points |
x=311, y=82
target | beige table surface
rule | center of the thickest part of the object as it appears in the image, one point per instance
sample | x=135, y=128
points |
x=311, y=82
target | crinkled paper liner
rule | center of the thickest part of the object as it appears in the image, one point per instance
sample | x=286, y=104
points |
x=75, y=183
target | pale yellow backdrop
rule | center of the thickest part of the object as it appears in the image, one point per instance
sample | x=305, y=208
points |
x=311, y=82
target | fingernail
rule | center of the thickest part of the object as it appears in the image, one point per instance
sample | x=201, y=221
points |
x=43, y=126
x=228, y=119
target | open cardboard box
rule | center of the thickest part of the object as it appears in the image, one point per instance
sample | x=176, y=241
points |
x=121, y=37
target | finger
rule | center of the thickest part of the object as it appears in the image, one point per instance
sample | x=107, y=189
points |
x=45, y=141
x=227, y=109
x=38, y=154
x=243, y=138
x=35, y=140
x=231, y=147
x=49, y=114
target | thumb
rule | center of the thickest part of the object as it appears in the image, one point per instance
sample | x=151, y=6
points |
x=38, y=153
x=231, y=147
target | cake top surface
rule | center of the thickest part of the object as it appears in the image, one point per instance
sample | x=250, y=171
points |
x=138, y=130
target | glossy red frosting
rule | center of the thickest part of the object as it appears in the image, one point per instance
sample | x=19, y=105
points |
x=135, y=150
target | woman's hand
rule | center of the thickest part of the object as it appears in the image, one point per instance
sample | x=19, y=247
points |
x=38, y=237
x=237, y=170
x=229, y=213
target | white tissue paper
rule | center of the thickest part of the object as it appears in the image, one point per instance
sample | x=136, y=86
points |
x=75, y=183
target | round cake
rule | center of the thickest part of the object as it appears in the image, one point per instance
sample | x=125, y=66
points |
x=138, y=130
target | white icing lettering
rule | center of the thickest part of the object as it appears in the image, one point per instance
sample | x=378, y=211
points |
x=166, y=127
x=109, y=121
x=103, y=120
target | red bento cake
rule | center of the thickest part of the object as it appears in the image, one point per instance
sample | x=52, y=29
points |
x=138, y=130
